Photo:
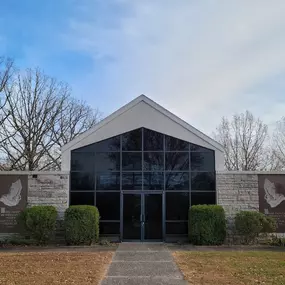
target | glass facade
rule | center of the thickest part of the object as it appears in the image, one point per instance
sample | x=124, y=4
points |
x=143, y=183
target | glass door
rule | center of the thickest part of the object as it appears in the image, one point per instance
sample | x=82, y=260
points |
x=132, y=217
x=142, y=216
x=153, y=217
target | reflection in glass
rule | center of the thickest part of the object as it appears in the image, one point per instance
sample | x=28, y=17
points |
x=82, y=181
x=203, y=198
x=109, y=228
x=131, y=181
x=177, y=228
x=175, y=144
x=153, y=181
x=194, y=147
x=177, y=205
x=111, y=144
x=131, y=216
x=132, y=160
x=82, y=198
x=177, y=161
x=154, y=161
x=153, y=216
x=152, y=140
x=177, y=181
x=108, y=181
x=107, y=161
x=203, y=181
x=132, y=141
x=108, y=205
x=81, y=161
x=202, y=161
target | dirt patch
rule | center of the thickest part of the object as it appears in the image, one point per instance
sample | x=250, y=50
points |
x=232, y=268
x=53, y=268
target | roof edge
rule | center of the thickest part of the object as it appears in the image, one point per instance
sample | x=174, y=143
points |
x=153, y=104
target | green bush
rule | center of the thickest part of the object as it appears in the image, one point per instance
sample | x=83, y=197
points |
x=39, y=222
x=207, y=225
x=81, y=225
x=269, y=224
x=249, y=225
x=277, y=241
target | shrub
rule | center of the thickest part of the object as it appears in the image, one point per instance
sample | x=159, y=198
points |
x=207, y=225
x=277, y=241
x=269, y=224
x=249, y=225
x=81, y=225
x=39, y=222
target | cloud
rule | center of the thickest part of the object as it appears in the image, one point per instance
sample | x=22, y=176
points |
x=199, y=59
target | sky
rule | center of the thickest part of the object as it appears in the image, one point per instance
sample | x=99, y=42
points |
x=199, y=59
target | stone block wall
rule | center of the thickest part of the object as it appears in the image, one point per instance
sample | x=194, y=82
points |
x=37, y=188
x=237, y=191
x=49, y=189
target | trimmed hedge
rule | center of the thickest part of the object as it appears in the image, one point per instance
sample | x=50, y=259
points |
x=81, y=224
x=207, y=225
x=249, y=224
x=39, y=222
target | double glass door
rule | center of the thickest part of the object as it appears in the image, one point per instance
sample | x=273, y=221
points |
x=142, y=216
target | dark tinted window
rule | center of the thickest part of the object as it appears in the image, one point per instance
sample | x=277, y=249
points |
x=194, y=147
x=107, y=161
x=108, y=205
x=177, y=161
x=82, y=181
x=175, y=144
x=131, y=181
x=112, y=144
x=152, y=140
x=177, y=228
x=108, y=181
x=153, y=181
x=177, y=205
x=203, y=181
x=203, y=198
x=177, y=181
x=81, y=161
x=109, y=228
x=132, y=141
x=203, y=161
x=132, y=160
x=82, y=198
x=154, y=161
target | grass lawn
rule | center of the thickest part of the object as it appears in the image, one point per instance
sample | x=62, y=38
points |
x=232, y=268
x=78, y=268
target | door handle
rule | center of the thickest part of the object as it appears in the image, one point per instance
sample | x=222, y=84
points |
x=142, y=219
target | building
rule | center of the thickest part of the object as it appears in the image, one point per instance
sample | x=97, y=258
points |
x=143, y=167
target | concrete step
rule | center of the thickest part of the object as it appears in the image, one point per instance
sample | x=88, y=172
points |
x=142, y=256
x=143, y=281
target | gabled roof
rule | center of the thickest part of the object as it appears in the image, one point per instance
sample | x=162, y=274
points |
x=143, y=99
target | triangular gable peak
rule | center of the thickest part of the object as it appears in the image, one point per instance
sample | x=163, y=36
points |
x=141, y=112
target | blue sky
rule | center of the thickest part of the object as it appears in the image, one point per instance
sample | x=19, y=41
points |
x=200, y=59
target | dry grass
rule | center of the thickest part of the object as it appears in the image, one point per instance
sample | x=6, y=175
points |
x=232, y=268
x=53, y=268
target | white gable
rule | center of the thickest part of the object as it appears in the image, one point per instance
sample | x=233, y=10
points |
x=142, y=112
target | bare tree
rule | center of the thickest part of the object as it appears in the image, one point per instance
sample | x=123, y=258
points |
x=244, y=141
x=34, y=102
x=278, y=143
x=6, y=73
x=42, y=118
x=76, y=117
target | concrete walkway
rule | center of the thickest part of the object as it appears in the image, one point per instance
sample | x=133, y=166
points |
x=143, y=263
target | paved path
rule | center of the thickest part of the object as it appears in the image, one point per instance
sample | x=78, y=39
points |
x=144, y=264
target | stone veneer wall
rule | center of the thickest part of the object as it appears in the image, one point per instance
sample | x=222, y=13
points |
x=49, y=188
x=44, y=188
x=237, y=191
